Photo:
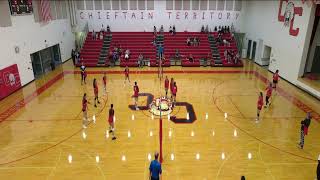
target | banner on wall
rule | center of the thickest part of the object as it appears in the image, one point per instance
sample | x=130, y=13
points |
x=9, y=80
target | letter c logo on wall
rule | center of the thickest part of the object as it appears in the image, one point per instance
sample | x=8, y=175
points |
x=288, y=16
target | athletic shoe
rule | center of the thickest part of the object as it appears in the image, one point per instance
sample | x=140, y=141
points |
x=110, y=131
x=114, y=138
x=95, y=105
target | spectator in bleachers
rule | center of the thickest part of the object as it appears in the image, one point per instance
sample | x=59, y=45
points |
x=154, y=41
x=140, y=60
x=195, y=42
x=161, y=29
x=205, y=60
x=160, y=51
x=228, y=29
x=202, y=29
x=229, y=55
x=108, y=29
x=127, y=54
x=215, y=29
x=190, y=58
x=189, y=41
x=207, y=29
x=174, y=30
x=101, y=35
x=93, y=35
x=236, y=58
x=177, y=54
x=170, y=30
x=154, y=30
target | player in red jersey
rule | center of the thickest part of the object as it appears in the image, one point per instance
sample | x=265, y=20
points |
x=126, y=73
x=95, y=89
x=104, y=80
x=136, y=95
x=85, y=110
x=166, y=85
x=275, y=79
x=268, y=94
x=171, y=86
x=111, y=122
x=259, y=105
x=174, y=92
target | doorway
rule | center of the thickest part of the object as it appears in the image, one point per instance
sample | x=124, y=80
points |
x=265, y=60
x=249, y=49
x=316, y=61
x=254, y=47
x=45, y=60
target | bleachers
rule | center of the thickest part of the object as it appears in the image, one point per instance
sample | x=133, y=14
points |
x=222, y=48
x=178, y=41
x=90, y=51
x=136, y=42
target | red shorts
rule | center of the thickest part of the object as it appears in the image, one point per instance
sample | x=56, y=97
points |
x=305, y=130
x=110, y=120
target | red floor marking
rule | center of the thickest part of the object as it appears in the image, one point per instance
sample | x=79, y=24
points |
x=8, y=112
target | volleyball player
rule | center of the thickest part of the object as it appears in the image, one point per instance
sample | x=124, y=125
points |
x=136, y=95
x=126, y=73
x=171, y=86
x=85, y=110
x=174, y=92
x=104, y=80
x=166, y=85
x=259, y=105
x=275, y=79
x=83, y=73
x=111, y=122
x=96, y=90
x=268, y=94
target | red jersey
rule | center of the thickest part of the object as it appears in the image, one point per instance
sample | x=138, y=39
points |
x=260, y=102
x=166, y=83
x=84, y=104
x=174, y=90
x=269, y=91
x=111, y=114
x=126, y=72
x=104, y=79
x=275, y=76
x=136, y=91
x=171, y=85
x=95, y=88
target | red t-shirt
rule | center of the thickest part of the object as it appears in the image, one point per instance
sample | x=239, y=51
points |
x=126, y=72
x=136, y=91
x=269, y=91
x=260, y=102
x=84, y=104
x=104, y=79
x=171, y=85
x=166, y=83
x=174, y=90
x=95, y=87
x=276, y=76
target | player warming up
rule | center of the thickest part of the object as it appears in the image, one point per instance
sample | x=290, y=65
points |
x=96, y=91
x=171, y=86
x=166, y=85
x=268, y=94
x=259, y=105
x=104, y=80
x=126, y=75
x=111, y=122
x=174, y=92
x=275, y=79
x=83, y=74
x=84, y=110
x=136, y=95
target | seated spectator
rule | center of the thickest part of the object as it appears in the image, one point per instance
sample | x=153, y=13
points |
x=108, y=29
x=229, y=54
x=205, y=60
x=190, y=58
x=154, y=30
x=202, y=29
x=207, y=29
x=120, y=50
x=225, y=29
x=140, y=60
x=161, y=29
x=215, y=29
x=154, y=41
x=177, y=54
x=174, y=30
x=189, y=41
x=228, y=29
x=93, y=35
x=195, y=41
x=170, y=30
x=236, y=58
x=127, y=54
x=101, y=36
x=225, y=54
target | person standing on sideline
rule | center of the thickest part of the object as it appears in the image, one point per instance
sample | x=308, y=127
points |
x=268, y=94
x=307, y=122
x=111, y=122
x=85, y=110
x=83, y=73
x=275, y=79
x=161, y=50
x=126, y=73
x=171, y=86
x=155, y=168
x=166, y=85
x=301, y=143
x=136, y=95
x=104, y=80
x=174, y=92
x=96, y=91
x=318, y=168
x=259, y=105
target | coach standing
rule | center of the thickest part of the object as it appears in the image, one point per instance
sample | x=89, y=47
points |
x=155, y=168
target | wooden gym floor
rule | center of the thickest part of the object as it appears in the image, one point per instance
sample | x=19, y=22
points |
x=41, y=127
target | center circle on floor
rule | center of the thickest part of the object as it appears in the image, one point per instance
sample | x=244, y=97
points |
x=161, y=105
